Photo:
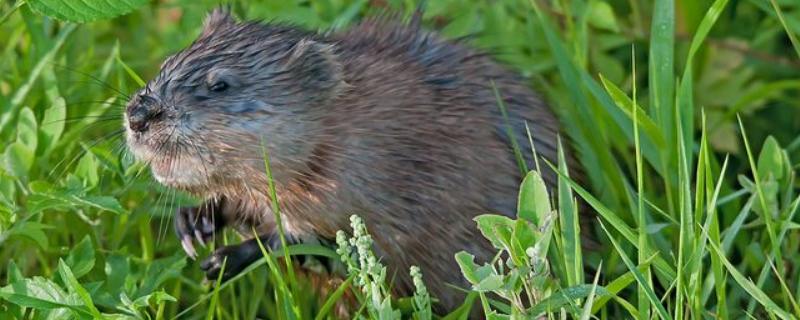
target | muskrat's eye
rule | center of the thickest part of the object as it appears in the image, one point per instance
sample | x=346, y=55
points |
x=218, y=86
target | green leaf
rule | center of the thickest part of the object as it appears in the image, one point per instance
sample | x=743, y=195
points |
x=18, y=159
x=86, y=169
x=534, y=202
x=468, y=267
x=601, y=16
x=53, y=122
x=32, y=230
x=158, y=271
x=26, y=129
x=85, y=10
x=116, y=269
x=101, y=202
x=75, y=287
x=151, y=299
x=489, y=283
x=770, y=160
x=81, y=257
x=496, y=228
x=39, y=293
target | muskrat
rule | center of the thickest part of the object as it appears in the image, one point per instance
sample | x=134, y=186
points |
x=383, y=120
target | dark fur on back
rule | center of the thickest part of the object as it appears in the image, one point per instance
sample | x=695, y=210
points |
x=383, y=120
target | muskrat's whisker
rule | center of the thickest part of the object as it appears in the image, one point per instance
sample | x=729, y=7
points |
x=102, y=139
x=90, y=76
x=109, y=102
x=76, y=119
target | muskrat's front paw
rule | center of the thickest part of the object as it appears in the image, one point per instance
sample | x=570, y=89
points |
x=196, y=223
x=234, y=257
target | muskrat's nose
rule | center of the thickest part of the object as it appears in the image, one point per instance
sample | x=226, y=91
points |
x=141, y=111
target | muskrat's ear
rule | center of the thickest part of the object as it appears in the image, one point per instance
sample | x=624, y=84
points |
x=316, y=65
x=218, y=19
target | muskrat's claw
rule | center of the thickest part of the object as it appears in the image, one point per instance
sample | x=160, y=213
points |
x=197, y=223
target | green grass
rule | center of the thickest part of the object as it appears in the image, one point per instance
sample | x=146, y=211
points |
x=682, y=113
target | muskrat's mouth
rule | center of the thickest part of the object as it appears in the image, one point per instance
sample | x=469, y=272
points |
x=169, y=164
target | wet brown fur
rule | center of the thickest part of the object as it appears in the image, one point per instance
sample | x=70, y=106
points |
x=403, y=129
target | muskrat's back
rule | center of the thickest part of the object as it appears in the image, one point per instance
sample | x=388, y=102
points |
x=422, y=147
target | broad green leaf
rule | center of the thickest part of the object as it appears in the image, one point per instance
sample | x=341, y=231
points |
x=86, y=169
x=85, y=10
x=53, y=122
x=101, y=202
x=770, y=160
x=496, y=228
x=76, y=288
x=18, y=159
x=81, y=258
x=489, y=283
x=534, y=202
x=27, y=129
x=13, y=273
x=40, y=293
x=136, y=306
x=159, y=271
x=32, y=230
x=601, y=15
x=117, y=270
x=468, y=267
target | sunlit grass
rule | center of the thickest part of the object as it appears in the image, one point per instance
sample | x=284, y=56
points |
x=687, y=216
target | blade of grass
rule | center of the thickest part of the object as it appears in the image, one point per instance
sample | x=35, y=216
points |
x=135, y=76
x=276, y=211
x=651, y=295
x=523, y=167
x=334, y=297
x=570, y=225
x=215, y=293
x=619, y=225
x=662, y=46
x=766, y=213
x=6, y=116
x=786, y=291
x=750, y=287
x=284, y=293
x=620, y=283
x=14, y=8
x=789, y=33
x=597, y=159
x=712, y=226
x=587, y=306
x=641, y=219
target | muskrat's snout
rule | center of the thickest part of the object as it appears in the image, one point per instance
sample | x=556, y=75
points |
x=141, y=111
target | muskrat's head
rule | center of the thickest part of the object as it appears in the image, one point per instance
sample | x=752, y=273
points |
x=241, y=88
